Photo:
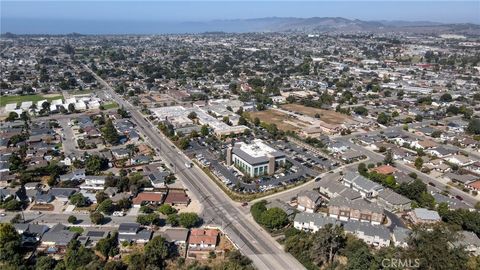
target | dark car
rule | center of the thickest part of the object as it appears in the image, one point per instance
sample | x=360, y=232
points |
x=431, y=184
x=459, y=197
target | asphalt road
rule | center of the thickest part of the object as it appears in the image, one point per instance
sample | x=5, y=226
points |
x=219, y=209
x=83, y=220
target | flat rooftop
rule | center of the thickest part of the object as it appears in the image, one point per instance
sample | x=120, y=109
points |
x=256, y=149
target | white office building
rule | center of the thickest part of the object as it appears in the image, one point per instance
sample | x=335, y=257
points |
x=255, y=159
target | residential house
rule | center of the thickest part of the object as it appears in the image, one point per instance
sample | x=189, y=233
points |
x=308, y=201
x=469, y=241
x=464, y=179
x=203, y=239
x=393, y=201
x=77, y=175
x=177, y=197
x=422, y=215
x=357, y=182
x=56, y=240
x=132, y=232
x=359, y=210
x=440, y=152
x=153, y=198
x=312, y=221
x=385, y=169
x=375, y=235
x=177, y=236
x=120, y=153
x=157, y=178
x=332, y=188
x=460, y=160
x=400, y=236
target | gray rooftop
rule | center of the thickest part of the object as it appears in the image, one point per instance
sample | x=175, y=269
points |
x=426, y=214
x=318, y=219
x=360, y=181
x=367, y=229
x=359, y=204
x=393, y=197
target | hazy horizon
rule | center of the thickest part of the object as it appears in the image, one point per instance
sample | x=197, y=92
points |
x=128, y=17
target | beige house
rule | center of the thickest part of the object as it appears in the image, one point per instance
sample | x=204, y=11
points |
x=358, y=210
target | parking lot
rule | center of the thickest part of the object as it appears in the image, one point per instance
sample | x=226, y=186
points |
x=306, y=166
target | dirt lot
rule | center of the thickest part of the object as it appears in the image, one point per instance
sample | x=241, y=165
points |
x=42, y=207
x=329, y=117
x=283, y=121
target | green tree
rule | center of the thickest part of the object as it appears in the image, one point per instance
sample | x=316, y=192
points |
x=96, y=218
x=184, y=143
x=258, y=209
x=78, y=200
x=192, y=115
x=12, y=116
x=108, y=246
x=361, y=110
x=274, y=218
x=434, y=251
x=327, y=241
x=418, y=163
x=148, y=219
x=94, y=164
x=388, y=158
x=78, y=256
x=383, y=118
x=166, y=209
x=109, y=133
x=188, y=220
x=72, y=219
x=10, y=250
x=71, y=108
x=256, y=121
x=156, y=252
x=172, y=219
x=45, y=263
x=446, y=97
x=474, y=126
x=362, y=169
x=106, y=207
x=204, y=130
x=101, y=196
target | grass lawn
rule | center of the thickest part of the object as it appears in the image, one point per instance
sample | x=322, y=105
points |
x=4, y=100
x=78, y=230
x=110, y=105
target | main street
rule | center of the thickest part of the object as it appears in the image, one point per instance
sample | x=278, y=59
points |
x=219, y=209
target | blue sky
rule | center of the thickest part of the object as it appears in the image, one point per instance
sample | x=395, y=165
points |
x=16, y=14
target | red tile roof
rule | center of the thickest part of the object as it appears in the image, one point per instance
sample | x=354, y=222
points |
x=385, y=169
x=148, y=197
x=177, y=197
x=199, y=236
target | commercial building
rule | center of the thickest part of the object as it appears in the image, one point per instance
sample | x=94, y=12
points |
x=255, y=159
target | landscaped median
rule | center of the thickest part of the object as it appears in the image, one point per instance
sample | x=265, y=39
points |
x=243, y=197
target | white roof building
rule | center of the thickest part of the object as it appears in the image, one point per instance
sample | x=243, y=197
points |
x=26, y=105
x=40, y=103
x=11, y=107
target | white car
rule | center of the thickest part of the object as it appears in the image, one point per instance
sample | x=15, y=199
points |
x=118, y=214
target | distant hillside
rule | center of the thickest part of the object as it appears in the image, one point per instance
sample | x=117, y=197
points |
x=272, y=24
x=335, y=24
